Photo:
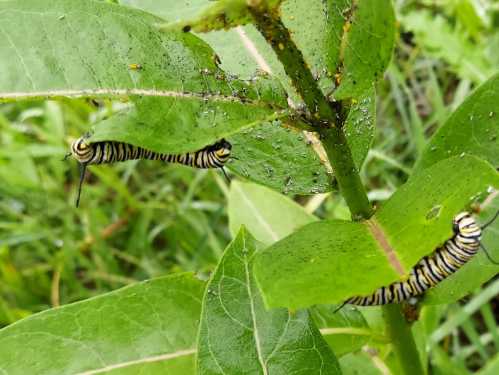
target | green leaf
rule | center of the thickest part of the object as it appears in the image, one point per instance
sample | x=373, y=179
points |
x=342, y=41
x=360, y=126
x=183, y=101
x=238, y=336
x=323, y=262
x=474, y=273
x=224, y=14
x=174, y=126
x=54, y=48
x=150, y=326
x=229, y=45
x=472, y=129
x=280, y=158
x=316, y=28
x=261, y=210
x=366, y=44
x=360, y=363
x=344, y=330
x=329, y=261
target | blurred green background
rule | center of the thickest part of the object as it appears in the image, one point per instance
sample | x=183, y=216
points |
x=138, y=221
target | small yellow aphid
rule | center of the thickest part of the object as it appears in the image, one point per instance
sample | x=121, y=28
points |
x=337, y=78
x=346, y=27
x=354, y=101
x=281, y=46
x=135, y=66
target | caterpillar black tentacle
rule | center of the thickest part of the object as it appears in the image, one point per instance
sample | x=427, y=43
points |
x=225, y=174
x=212, y=156
x=433, y=268
x=493, y=261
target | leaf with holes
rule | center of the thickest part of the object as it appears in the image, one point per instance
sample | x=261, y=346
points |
x=329, y=261
x=149, y=327
x=237, y=335
x=472, y=129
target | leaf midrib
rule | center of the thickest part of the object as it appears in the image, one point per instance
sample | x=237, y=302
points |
x=157, y=358
x=253, y=315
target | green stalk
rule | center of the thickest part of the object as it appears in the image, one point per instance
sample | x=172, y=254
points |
x=328, y=120
x=399, y=332
x=328, y=117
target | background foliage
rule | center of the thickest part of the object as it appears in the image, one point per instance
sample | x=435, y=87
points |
x=138, y=221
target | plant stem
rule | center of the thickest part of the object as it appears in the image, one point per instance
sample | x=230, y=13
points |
x=402, y=340
x=327, y=117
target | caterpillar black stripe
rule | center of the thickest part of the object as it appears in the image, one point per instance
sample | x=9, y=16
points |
x=212, y=156
x=433, y=268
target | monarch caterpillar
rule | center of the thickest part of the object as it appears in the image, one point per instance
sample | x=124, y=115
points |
x=212, y=156
x=435, y=267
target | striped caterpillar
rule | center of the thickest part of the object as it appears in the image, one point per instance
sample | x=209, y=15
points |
x=435, y=267
x=212, y=156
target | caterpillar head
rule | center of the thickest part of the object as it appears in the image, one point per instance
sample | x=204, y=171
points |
x=81, y=150
x=222, y=150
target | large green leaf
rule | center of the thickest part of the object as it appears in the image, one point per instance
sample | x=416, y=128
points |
x=472, y=129
x=238, y=336
x=56, y=48
x=149, y=327
x=183, y=101
x=267, y=215
x=328, y=261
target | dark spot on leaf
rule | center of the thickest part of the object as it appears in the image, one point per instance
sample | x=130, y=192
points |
x=434, y=212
